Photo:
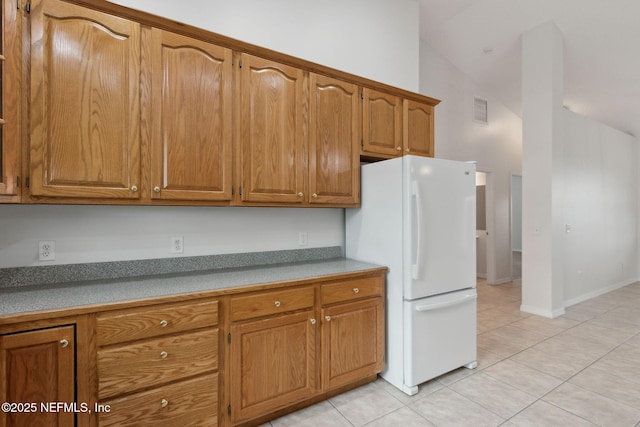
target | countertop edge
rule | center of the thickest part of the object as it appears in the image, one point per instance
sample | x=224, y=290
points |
x=12, y=317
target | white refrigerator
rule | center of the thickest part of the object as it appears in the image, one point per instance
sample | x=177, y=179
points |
x=417, y=217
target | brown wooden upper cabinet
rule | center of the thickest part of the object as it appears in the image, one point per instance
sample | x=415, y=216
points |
x=10, y=85
x=417, y=128
x=381, y=123
x=334, y=135
x=125, y=113
x=272, y=148
x=393, y=126
x=85, y=103
x=191, y=142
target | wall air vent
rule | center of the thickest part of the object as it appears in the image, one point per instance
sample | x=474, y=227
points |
x=480, y=110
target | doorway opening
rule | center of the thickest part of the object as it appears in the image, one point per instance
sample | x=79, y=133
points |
x=481, y=225
x=516, y=227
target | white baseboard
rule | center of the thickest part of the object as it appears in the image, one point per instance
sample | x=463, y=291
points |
x=551, y=314
x=598, y=292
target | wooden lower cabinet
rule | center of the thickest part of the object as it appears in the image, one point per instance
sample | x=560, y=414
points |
x=186, y=403
x=239, y=358
x=37, y=368
x=352, y=342
x=273, y=364
x=282, y=359
x=154, y=370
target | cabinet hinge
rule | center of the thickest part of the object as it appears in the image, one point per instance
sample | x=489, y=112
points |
x=240, y=190
x=27, y=182
x=361, y=94
x=240, y=63
x=28, y=7
x=233, y=191
x=229, y=409
x=362, y=142
x=229, y=337
x=18, y=181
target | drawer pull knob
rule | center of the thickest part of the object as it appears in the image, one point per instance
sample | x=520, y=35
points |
x=134, y=188
x=300, y=194
x=314, y=195
x=313, y=321
x=64, y=343
x=278, y=304
x=163, y=323
x=156, y=189
x=356, y=290
x=164, y=354
x=164, y=403
x=398, y=148
x=327, y=318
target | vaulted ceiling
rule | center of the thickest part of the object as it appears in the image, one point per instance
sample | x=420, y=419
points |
x=601, y=50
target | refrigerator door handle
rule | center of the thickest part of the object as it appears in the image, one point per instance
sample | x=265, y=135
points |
x=436, y=306
x=415, y=192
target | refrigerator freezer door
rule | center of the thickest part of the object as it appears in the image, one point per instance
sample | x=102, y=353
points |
x=439, y=226
x=440, y=335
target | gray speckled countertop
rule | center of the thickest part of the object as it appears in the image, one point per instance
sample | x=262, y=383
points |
x=46, y=297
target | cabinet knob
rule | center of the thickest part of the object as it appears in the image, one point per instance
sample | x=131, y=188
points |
x=64, y=343
x=314, y=195
x=356, y=290
x=399, y=148
x=327, y=318
x=164, y=403
x=408, y=150
x=163, y=323
x=156, y=189
x=313, y=321
x=300, y=194
x=134, y=188
x=277, y=303
x=163, y=354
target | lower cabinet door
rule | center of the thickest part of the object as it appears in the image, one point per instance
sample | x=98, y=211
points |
x=188, y=403
x=272, y=364
x=352, y=342
x=37, y=370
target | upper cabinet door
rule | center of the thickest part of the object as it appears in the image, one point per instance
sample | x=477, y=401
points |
x=418, y=128
x=334, y=137
x=382, y=123
x=271, y=132
x=191, y=119
x=10, y=101
x=85, y=109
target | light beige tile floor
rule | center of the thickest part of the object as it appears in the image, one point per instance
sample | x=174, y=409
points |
x=580, y=369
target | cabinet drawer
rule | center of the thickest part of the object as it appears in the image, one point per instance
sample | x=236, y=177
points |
x=147, y=363
x=273, y=302
x=186, y=403
x=127, y=325
x=352, y=290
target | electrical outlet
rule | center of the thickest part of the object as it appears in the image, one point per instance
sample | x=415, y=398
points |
x=177, y=245
x=46, y=250
x=303, y=239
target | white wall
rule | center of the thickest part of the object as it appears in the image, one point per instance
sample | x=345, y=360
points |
x=497, y=147
x=600, y=205
x=115, y=233
x=377, y=39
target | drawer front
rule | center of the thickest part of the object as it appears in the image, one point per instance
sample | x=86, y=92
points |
x=186, y=403
x=350, y=290
x=272, y=302
x=127, y=368
x=127, y=325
